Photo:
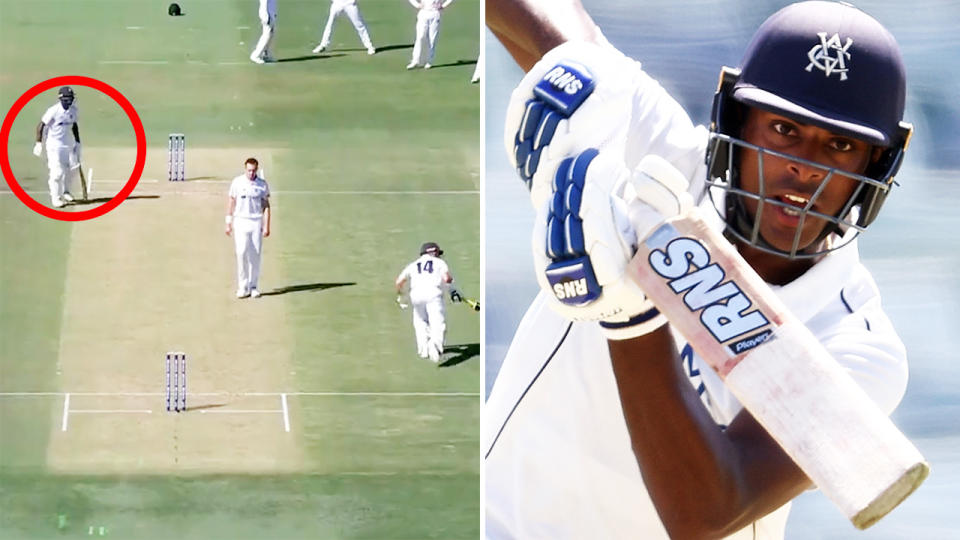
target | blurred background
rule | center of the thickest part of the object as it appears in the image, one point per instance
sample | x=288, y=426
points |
x=912, y=248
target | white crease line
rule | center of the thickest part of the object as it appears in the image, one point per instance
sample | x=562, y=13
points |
x=243, y=28
x=244, y=394
x=243, y=411
x=134, y=28
x=66, y=411
x=233, y=63
x=286, y=414
x=137, y=62
x=91, y=411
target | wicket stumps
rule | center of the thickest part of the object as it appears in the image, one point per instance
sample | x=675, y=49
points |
x=177, y=373
x=176, y=157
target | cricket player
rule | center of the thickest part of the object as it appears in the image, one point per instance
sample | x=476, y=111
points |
x=429, y=278
x=60, y=122
x=350, y=9
x=477, y=71
x=604, y=423
x=248, y=220
x=428, y=27
x=263, y=52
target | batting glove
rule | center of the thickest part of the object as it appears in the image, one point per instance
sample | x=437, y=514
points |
x=38, y=149
x=585, y=236
x=401, y=303
x=455, y=296
x=575, y=97
x=76, y=154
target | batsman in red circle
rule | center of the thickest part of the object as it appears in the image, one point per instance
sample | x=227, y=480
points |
x=69, y=82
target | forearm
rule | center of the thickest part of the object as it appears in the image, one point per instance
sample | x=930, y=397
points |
x=76, y=132
x=266, y=216
x=528, y=29
x=704, y=481
x=40, y=132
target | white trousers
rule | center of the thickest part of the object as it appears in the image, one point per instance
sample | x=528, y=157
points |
x=60, y=161
x=268, y=24
x=248, y=240
x=428, y=26
x=354, y=15
x=430, y=327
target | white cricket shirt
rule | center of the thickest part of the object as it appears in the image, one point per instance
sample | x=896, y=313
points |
x=251, y=196
x=59, y=124
x=558, y=457
x=426, y=278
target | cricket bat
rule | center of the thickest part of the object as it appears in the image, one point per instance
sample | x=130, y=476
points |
x=775, y=366
x=83, y=181
x=472, y=302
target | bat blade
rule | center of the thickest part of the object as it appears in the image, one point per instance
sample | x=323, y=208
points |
x=473, y=303
x=777, y=369
x=83, y=181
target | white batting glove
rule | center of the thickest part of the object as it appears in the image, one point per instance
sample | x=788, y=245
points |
x=574, y=98
x=586, y=235
x=76, y=153
x=38, y=149
x=401, y=303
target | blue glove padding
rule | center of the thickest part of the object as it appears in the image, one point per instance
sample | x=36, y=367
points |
x=583, y=241
x=557, y=95
x=575, y=97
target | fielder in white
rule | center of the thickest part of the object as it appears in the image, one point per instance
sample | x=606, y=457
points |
x=429, y=278
x=263, y=52
x=478, y=71
x=248, y=220
x=428, y=27
x=350, y=9
x=604, y=423
x=61, y=125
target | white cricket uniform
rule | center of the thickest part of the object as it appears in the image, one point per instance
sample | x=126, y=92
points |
x=252, y=197
x=61, y=145
x=348, y=7
x=426, y=279
x=428, y=27
x=268, y=25
x=558, y=457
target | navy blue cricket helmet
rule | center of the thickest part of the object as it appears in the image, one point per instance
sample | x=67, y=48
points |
x=821, y=63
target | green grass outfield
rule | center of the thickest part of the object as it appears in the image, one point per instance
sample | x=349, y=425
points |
x=310, y=415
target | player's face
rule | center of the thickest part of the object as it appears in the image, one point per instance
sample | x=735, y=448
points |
x=794, y=182
x=251, y=171
x=65, y=102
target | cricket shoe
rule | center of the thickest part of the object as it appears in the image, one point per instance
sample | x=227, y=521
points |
x=427, y=66
x=320, y=48
x=257, y=59
x=242, y=293
x=68, y=197
x=372, y=51
x=254, y=293
x=58, y=203
x=411, y=65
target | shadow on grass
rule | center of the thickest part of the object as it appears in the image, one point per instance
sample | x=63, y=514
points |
x=101, y=200
x=305, y=287
x=461, y=353
x=455, y=64
x=386, y=48
x=308, y=57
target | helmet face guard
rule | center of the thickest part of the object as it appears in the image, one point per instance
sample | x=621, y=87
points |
x=823, y=64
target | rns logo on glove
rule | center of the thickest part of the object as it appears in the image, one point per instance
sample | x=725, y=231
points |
x=565, y=87
x=573, y=282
